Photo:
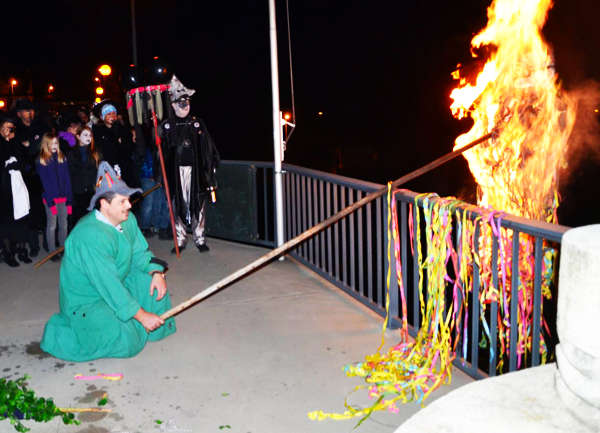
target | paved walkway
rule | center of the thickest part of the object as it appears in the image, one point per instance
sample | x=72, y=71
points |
x=253, y=358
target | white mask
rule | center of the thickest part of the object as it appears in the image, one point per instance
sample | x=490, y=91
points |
x=181, y=110
x=85, y=138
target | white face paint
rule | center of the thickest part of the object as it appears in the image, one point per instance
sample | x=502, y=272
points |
x=181, y=110
x=85, y=138
x=54, y=145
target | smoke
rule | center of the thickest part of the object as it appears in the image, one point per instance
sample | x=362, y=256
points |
x=584, y=142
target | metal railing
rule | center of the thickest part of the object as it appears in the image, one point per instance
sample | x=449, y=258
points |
x=352, y=253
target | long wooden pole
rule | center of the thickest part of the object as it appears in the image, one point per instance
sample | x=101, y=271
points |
x=61, y=249
x=317, y=228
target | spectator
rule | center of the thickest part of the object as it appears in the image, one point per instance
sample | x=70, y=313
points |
x=29, y=132
x=114, y=142
x=83, y=163
x=14, y=196
x=84, y=116
x=66, y=138
x=154, y=212
x=57, y=196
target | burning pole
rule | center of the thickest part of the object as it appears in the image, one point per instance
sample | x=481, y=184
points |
x=317, y=228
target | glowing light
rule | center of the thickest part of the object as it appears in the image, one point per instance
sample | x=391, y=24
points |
x=96, y=79
x=320, y=113
x=50, y=88
x=99, y=91
x=105, y=70
x=2, y=103
x=287, y=116
x=97, y=100
x=13, y=82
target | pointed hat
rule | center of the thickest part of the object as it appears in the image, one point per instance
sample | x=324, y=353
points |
x=178, y=91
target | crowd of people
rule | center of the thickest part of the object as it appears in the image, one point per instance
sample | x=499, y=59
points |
x=48, y=166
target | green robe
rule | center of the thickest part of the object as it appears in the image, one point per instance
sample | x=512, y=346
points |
x=104, y=280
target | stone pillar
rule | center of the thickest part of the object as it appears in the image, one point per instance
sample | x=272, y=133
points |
x=578, y=323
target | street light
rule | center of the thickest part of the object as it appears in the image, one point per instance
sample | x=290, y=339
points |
x=50, y=88
x=99, y=90
x=13, y=83
x=105, y=70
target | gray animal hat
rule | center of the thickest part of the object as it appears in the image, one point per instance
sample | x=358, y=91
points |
x=108, y=180
x=177, y=91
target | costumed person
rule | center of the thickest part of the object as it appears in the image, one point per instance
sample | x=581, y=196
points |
x=83, y=162
x=14, y=197
x=112, y=288
x=191, y=160
x=57, y=196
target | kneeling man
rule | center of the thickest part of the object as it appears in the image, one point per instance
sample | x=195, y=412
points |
x=112, y=288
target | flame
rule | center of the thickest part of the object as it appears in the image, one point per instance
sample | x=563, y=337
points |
x=516, y=94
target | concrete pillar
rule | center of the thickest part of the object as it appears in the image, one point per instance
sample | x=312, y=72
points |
x=578, y=354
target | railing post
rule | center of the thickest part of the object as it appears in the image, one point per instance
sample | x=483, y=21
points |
x=390, y=269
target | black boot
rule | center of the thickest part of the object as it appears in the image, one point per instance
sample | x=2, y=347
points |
x=9, y=258
x=23, y=256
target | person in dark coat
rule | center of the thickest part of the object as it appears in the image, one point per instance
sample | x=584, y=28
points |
x=113, y=140
x=83, y=162
x=191, y=161
x=14, y=197
x=28, y=134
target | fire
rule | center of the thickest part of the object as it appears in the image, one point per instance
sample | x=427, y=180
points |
x=517, y=94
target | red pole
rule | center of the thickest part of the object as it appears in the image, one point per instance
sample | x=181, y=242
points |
x=165, y=181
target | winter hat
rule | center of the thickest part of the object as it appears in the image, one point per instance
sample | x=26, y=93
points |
x=23, y=104
x=108, y=181
x=107, y=108
x=177, y=91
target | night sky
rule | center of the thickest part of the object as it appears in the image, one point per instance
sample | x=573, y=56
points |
x=379, y=71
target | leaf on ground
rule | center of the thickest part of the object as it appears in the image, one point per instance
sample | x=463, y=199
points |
x=222, y=427
x=224, y=394
x=157, y=421
x=103, y=401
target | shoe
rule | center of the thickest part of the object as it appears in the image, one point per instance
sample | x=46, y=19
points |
x=164, y=234
x=202, y=248
x=9, y=259
x=147, y=233
x=22, y=255
x=181, y=248
x=34, y=252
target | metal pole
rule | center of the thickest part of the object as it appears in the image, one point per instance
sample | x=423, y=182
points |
x=133, y=35
x=277, y=147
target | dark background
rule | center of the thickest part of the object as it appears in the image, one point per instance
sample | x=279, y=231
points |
x=379, y=72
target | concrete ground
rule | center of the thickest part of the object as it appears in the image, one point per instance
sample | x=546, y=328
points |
x=253, y=358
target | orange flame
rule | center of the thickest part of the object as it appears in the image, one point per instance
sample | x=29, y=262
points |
x=517, y=94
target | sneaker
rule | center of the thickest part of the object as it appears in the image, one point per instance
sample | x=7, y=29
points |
x=181, y=248
x=202, y=248
x=24, y=257
x=9, y=259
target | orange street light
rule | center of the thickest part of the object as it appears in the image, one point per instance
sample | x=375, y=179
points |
x=13, y=83
x=97, y=100
x=50, y=88
x=99, y=90
x=96, y=79
x=287, y=116
x=2, y=103
x=104, y=70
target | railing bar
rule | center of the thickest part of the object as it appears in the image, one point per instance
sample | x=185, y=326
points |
x=359, y=234
x=514, y=301
x=415, y=296
x=352, y=283
x=493, y=361
x=380, y=253
x=309, y=211
x=329, y=229
x=459, y=287
x=317, y=220
x=369, y=228
x=475, y=309
x=294, y=231
x=304, y=218
x=299, y=211
x=404, y=246
x=336, y=234
x=343, y=193
x=537, y=300
x=322, y=215
x=286, y=194
x=265, y=218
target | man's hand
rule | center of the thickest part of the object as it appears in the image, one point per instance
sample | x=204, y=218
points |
x=150, y=321
x=160, y=284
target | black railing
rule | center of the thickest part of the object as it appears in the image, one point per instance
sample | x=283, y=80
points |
x=352, y=254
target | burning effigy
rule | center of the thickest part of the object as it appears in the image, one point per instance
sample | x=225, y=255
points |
x=516, y=96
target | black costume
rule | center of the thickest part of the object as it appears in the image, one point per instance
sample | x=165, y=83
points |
x=117, y=148
x=191, y=160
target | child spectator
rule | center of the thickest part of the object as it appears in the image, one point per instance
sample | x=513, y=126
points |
x=83, y=162
x=57, y=195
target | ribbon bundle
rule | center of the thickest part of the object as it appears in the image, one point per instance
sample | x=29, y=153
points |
x=456, y=245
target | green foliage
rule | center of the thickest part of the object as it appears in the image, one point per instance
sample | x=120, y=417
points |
x=16, y=398
x=103, y=401
x=223, y=427
x=157, y=421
